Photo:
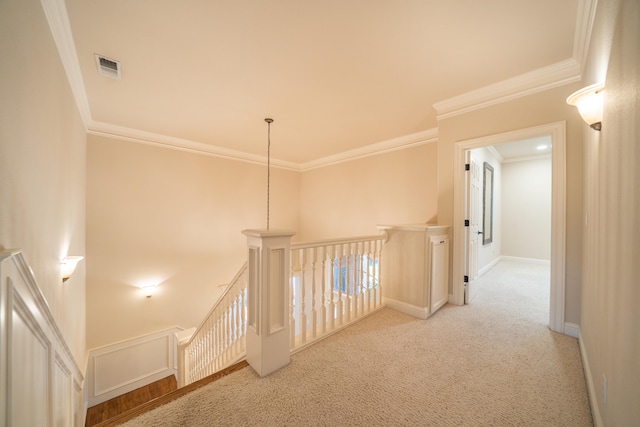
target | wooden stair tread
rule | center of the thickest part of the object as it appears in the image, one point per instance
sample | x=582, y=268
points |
x=125, y=414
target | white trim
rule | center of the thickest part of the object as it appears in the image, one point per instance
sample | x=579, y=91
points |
x=527, y=158
x=148, y=138
x=527, y=260
x=59, y=378
x=593, y=400
x=154, y=139
x=488, y=267
x=395, y=144
x=403, y=307
x=584, y=24
x=495, y=154
x=558, y=212
x=555, y=75
x=105, y=360
x=56, y=13
x=571, y=329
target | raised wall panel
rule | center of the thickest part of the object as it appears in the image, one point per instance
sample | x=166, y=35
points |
x=119, y=368
x=415, y=270
x=28, y=370
x=276, y=297
x=40, y=381
x=439, y=271
x=62, y=395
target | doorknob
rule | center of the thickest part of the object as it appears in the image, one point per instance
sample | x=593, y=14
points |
x=480, y=232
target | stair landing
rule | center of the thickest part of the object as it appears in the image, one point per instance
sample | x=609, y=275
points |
x=116, y=406
x=123, y=408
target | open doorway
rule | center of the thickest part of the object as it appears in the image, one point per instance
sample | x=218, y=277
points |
x=556, y=132
x=514, y=210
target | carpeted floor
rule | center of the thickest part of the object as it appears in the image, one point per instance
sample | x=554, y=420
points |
x=491, y=363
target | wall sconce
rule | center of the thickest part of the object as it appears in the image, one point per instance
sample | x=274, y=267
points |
x=589, y=103
x=68, y=266
x=148, y=290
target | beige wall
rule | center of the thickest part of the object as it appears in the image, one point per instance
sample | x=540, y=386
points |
x=611, y=292
x=42, y=163
x=173, y=218
x=526, y=209
x=533, y=110
x=350, y=199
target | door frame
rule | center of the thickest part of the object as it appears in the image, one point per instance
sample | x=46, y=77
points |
x=557, y=132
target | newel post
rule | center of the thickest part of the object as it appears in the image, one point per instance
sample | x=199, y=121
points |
x=268, y=300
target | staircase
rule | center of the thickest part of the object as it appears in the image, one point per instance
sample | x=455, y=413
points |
x=130, y=405
x=284, y=299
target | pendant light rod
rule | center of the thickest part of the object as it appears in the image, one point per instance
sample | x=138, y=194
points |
x=269, y=121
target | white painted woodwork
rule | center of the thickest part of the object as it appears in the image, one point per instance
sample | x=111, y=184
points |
x=125, y=366
x=268, y=297
x=40, y=381
x=328, y=285
x=415, y=268
x=557, y=131
x=333, y=284
x=473, y=209
x=220, y=339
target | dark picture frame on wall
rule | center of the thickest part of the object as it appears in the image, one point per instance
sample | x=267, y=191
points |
x=487, y=204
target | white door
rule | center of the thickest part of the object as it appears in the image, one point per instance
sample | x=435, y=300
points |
x=473, y=214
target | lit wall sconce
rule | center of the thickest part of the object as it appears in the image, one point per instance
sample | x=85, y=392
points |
x=68, y=266
x=589, y=103
x=148, y=290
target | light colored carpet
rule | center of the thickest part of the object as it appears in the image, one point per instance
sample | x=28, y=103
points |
x=491, y=363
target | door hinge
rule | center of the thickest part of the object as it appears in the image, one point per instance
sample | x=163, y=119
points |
x=467, y=166
x=466, y=279
x=466, y=222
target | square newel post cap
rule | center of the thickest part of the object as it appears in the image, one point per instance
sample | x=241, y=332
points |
x=268, y=233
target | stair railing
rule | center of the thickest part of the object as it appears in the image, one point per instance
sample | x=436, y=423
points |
x=220, y=340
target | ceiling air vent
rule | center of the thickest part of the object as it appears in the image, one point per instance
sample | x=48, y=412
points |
x=108, y=67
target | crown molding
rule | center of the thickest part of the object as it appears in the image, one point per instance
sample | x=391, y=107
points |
x=494, y=153
x=400, y=143
x=545, y=78
x=528, y=158
x=555, y=75
x=58, y=19
x=584, y=25
x=558, y=74
x=148, y=138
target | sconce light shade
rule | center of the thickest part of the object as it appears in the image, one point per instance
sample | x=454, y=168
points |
x=68, y=266
x=589, y=103
x=147, y=291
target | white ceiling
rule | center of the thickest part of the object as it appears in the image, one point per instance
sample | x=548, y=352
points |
x=337, y=76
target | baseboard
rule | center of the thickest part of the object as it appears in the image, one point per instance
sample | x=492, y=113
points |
x=591, y=390
x=571, y=329
x=488, y=267
x=403, y=307
x=527, y=260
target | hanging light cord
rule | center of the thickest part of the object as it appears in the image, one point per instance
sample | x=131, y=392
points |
x=269, y=121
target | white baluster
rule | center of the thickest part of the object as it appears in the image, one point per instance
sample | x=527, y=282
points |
x=303, y=306
x=292, y=301
x=340, y=285
x=314, y=311
x=323, y=301
x=358, y=281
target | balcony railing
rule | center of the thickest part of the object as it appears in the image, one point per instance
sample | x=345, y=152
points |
x=331, y=283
